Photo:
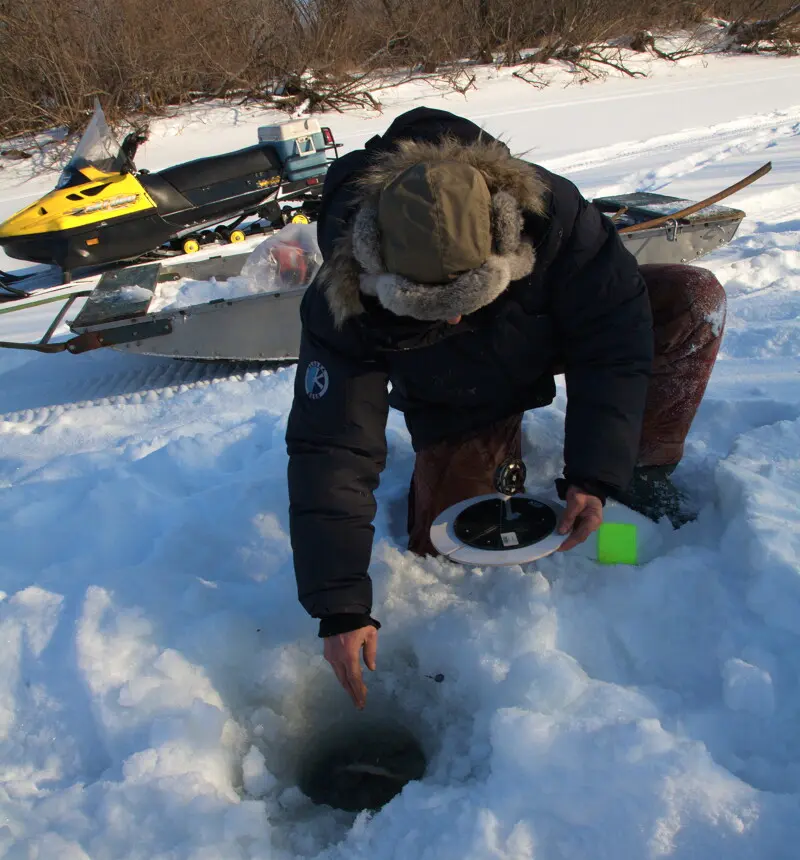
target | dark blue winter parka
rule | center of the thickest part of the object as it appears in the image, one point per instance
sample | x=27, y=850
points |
x=583, y=308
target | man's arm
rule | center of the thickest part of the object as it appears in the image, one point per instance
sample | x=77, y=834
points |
x=603, y=312
x=337, y=449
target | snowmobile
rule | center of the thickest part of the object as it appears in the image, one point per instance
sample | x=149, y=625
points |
x=103, y=210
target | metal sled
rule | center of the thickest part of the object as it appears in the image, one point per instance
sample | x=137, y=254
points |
x=677, y=239
x=262, y=327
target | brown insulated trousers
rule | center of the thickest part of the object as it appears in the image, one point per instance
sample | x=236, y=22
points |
x=688, y=318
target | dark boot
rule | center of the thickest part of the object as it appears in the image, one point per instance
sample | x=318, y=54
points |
x=652, y=493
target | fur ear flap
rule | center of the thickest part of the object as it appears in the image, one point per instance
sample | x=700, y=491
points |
x=521, y=263
x=339, y=278
x=465, y=295
x=367, y=241
x=506, y=223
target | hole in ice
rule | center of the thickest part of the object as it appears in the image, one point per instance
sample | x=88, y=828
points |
x=303, y=732
x=361, y=765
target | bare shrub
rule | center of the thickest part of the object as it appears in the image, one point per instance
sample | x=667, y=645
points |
x=134, y=54
x=144, y=56
x=779, y=31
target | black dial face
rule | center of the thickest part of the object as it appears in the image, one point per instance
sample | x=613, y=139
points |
x=504, y=524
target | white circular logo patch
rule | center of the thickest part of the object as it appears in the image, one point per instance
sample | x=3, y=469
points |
x=316, y=380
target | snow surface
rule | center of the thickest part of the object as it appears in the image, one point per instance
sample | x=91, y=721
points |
x=160, y=688
x=187, y=292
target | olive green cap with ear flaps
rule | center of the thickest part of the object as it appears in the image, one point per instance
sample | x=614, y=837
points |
x=438, y=231
x=435, y=222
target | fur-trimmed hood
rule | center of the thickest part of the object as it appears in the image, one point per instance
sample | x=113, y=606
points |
x=355, y=266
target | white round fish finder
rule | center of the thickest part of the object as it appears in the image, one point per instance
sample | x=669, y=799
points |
x=506, y=527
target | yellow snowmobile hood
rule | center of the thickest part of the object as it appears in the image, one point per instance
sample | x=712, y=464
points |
x=102, y=197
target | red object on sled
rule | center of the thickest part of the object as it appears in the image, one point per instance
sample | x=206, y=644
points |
x=291, y=261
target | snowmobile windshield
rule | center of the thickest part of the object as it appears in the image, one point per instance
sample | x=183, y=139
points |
x=97, y=148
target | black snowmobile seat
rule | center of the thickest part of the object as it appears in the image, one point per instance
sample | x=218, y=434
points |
x=166, y=197
x=222, y=168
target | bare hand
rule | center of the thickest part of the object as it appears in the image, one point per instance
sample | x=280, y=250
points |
x=343, y=652
x=584, y=515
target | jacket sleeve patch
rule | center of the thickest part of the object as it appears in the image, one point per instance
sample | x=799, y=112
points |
x=316, y=380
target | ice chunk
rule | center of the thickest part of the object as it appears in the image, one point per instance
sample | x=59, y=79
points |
x=258, y=781
x=747, y=688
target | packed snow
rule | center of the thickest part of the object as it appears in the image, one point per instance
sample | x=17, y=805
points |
x=161, y=690
x=284, y=260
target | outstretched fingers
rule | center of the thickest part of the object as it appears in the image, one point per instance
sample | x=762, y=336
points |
x=357, y=691
x=583, y=515
x=585, y=524
x=343, y=652
x=371, y=650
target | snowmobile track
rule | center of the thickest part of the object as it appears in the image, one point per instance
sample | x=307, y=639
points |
x=127, y=385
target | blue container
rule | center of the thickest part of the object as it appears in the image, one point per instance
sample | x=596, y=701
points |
x=300, y=146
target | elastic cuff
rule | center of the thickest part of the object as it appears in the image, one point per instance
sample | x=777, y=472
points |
x=345, y=622
x=593, y=488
